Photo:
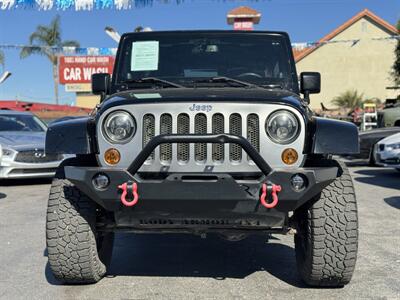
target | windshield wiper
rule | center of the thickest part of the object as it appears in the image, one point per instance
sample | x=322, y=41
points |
x=223, y=79
x=154, y=80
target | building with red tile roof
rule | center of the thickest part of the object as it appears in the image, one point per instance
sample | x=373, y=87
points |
x=365, y=14
x=356, y=55
x=243, y=12
x=243, y=18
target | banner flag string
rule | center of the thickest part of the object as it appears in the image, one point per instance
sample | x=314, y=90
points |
x=353, y=42
x=95, y=51
x=77, y=5
x=104, y=51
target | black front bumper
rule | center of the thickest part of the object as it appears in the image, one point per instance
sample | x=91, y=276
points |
x=193, y=199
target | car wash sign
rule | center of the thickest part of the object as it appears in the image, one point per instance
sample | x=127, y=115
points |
x=79, y=69
x=243, y=24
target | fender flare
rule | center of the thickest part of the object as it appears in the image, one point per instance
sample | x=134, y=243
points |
x=334, y=137
x=71, y=136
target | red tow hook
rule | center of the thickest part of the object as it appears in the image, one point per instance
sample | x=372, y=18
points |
x=127, y=189
x=275, y=189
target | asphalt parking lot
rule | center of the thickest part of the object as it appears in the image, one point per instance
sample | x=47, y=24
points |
x=187, y=267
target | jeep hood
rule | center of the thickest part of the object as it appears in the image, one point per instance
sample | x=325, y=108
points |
x=195, y=95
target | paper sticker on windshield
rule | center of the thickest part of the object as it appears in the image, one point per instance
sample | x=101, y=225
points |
x=144, y=56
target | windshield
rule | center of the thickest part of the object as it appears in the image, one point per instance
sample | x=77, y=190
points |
x=187, y=59
x=28, y=123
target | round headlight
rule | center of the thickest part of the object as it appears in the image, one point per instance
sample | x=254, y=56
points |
x=282, y=127
x=119, y=127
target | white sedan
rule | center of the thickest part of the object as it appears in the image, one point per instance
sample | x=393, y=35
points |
x=22, y=139
x=387, y=152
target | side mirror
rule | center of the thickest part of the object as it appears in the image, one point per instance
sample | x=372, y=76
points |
x=100, y=83
x=310, y=83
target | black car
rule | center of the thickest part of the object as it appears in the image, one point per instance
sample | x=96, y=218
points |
x=203, y=132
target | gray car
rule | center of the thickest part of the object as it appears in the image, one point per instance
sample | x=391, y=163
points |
x=22, y=139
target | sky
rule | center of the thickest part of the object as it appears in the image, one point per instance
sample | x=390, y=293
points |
x=304, y=20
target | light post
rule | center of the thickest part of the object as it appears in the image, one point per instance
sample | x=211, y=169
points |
x=4, y=77
x=112, y=33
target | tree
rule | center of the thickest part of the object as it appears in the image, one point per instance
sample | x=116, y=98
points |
x=348, y=99
x=43, y=41
x=138, y=29
x=375, y=100
x=396, y=65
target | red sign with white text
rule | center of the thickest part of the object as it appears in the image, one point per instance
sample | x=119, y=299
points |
x=79, y=69
x=246, y=26
x=243, y=24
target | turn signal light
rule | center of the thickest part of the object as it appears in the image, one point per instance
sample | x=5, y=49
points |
x=289, y=156
x=112, y=156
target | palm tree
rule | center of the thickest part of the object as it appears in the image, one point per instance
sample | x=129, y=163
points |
x=42, y=41
x=138, y=29
x=348, y=99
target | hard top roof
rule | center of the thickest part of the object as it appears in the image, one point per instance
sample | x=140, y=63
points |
x=213, y=32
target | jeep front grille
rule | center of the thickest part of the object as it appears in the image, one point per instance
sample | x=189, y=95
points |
x=166, y=128
x=253, y=131
x=148, y=131
x=235, y=127
x=183, y=128
x=200, y=126
x=218, y=127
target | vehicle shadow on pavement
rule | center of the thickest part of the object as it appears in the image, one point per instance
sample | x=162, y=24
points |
x=190, y=256
x=356, y=163
x=18, y=182
x=2, y=196
x=393, y=201
x=47, y=272
x=388, y=178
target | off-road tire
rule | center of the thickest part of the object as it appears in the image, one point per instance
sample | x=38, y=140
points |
x=326, y=241
x=71, y=237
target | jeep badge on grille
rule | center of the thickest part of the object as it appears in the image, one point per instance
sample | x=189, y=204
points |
x=203, y=107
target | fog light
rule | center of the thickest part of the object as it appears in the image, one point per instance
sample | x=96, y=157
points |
x=298, y=182
x=112, y=156
x=100, y=181
x=289, y=156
